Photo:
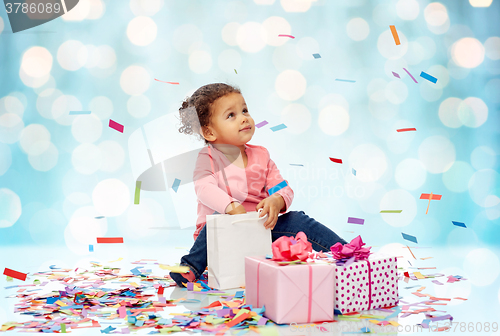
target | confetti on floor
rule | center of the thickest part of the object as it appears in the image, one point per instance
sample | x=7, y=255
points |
x=129, y=301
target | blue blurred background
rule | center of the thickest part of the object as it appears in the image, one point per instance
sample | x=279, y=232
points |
x=58, y=172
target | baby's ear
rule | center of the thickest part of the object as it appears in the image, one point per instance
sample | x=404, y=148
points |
x=207, y=133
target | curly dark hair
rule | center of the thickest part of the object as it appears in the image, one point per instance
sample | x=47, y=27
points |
x=196, y=110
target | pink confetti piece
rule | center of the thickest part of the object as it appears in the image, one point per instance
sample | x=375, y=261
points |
x=175, y=83
x=116, y=126
x=283, y=35
x=410, y=75
x=395, y=74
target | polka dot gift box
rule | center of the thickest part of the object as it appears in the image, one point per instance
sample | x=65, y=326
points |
x=363, y=281
x=366, y=284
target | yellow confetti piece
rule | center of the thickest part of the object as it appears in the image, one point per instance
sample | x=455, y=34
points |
x=175, y=269
x=394, y=323
x=418, y=275
x=374, y=321
x=268, y=331
x=60, y=303
x=134, y=284
x=119, y=259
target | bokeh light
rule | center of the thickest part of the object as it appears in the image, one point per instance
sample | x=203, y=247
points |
x=113, y=156
x=370, y=162
x=358, y=29
x=333, y=120
x=290, y=85
x=468, y=52
x=388, y=48
x=456, y=179
x=410, y=174
x=229, y=60
x=72, y=55
x=145, y=7
x=111, y=197
x=296, y=6
x=274, y=26
x=46, y=160
x=296, y=117
x=200, y=61
x=398, y=199
x=35, y=139
x=6, y=161
x=11, y=209
x=139, y=106
x=86, y=158
x=482, y=184
x=480, y=3
x=251, y=37
x=86, y=128
x=407, y=9
x=142, y=30
x=472, y=112
x=437, y=153
x=482, y=267
x=483, y=157
x=135, y=80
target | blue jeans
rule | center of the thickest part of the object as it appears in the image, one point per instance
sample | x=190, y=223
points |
x=288, y=224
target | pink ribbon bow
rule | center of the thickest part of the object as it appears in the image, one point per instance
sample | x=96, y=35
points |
x=290, y=249
x=353, y=249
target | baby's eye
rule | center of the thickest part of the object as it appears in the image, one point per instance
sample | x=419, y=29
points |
x=245, y=110
x=230, y=114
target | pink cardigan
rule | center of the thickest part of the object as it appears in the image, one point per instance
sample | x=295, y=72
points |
x=248, y=186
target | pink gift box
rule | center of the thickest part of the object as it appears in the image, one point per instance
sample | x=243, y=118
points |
x=353, y=290
x=301, y=293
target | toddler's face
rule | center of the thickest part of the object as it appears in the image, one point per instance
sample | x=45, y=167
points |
x=231, y=122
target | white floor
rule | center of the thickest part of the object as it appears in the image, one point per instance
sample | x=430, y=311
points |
x=482, y=305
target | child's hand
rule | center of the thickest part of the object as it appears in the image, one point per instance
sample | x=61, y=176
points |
x=271, y=206
x=235, y=208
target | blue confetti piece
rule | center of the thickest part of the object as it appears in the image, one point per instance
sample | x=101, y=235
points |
x=278, y=127
x=409, y=238
x=459, y=224
x=135, y=271
x=317, y=55
x=239, y=294
x=139, y=323
x=91, y=248
x=277, y=187
x=365, y=330
x=428, y=77
x=269, y=256
x=296, y=164
x=345, y=80
x=51, y=300
x=353, y=172
x=176, y=184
